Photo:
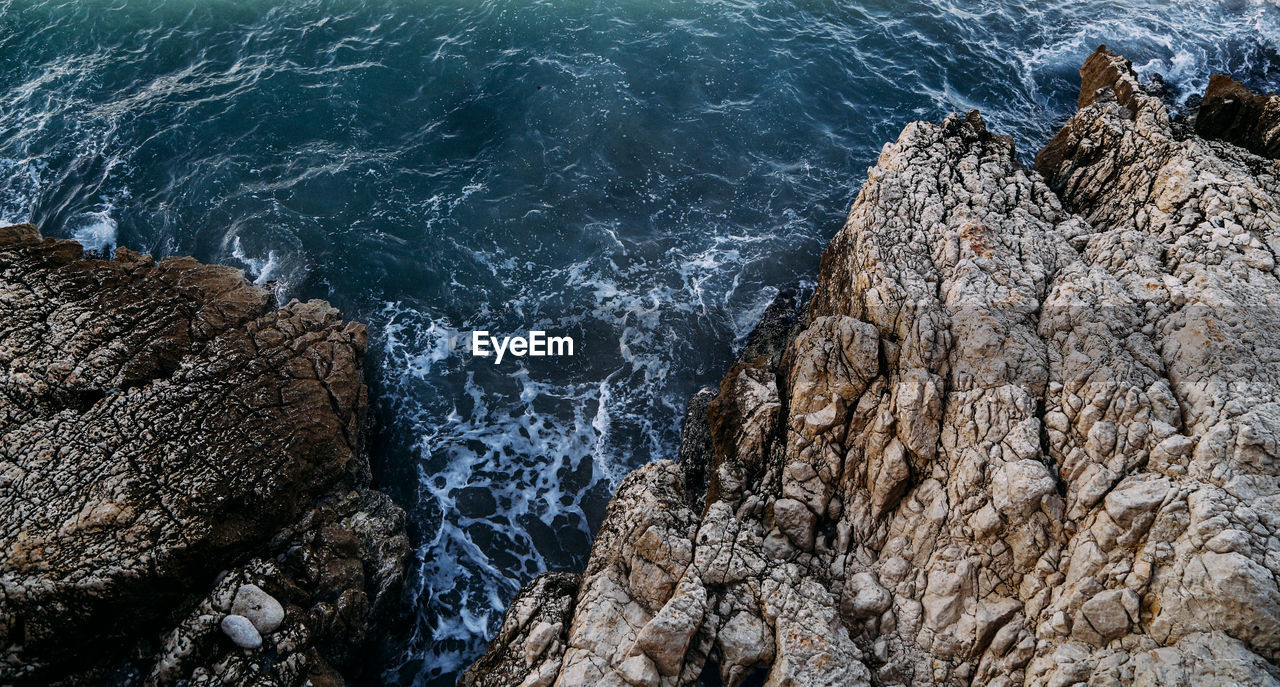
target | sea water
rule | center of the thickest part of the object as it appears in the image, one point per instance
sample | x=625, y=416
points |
x=639, y=175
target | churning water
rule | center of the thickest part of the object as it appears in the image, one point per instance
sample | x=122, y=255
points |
x=638, y=174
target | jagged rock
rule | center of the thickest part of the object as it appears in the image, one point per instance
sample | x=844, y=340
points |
x=337, y=572
x=1025, y=433
x=694, y=454
x=867, y=599
x=1204, y=659
x=169, y=443
x=1187, y=230
x=529, y=647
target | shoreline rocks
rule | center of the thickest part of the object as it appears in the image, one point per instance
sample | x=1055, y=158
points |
x=1024, y=433
x=181, y=475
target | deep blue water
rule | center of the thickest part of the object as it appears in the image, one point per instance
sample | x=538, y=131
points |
x=639, y=174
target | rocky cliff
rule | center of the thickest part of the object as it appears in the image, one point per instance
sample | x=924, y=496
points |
x=1025, y=432
x=183, y=498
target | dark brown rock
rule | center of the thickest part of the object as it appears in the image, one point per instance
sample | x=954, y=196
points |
x=1230, y=112
x=161, y=427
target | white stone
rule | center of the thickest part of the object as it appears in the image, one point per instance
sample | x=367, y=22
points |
x=259, y=607
x=241, y=631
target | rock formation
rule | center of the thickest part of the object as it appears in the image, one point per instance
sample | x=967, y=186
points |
x=1229, y=112
x=183, y=499
x=1025, y=432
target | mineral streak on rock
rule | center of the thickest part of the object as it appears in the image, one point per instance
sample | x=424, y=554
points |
x=1024, y=433
x=180, y=468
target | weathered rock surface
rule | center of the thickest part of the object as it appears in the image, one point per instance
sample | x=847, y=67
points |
x=180, y=473
x=1025, y=433
x=531, y=642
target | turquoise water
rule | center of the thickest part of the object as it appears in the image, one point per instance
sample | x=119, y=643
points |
x=640, y=175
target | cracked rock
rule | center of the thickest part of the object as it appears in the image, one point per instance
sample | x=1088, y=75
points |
x=180, y=462
x=1026, y=432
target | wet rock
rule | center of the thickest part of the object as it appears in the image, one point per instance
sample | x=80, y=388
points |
x=173, y=446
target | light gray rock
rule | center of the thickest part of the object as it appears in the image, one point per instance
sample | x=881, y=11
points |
x=1104, y=616
x=1017, y=488
x=1203, y=659
x=259, y=607
x=241, y=631
x=795, y=520
x=869, y=599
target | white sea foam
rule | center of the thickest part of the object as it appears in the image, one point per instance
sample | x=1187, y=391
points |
x=260, y=269
x=20, y=182
x=96, y=231
x=547, y=450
